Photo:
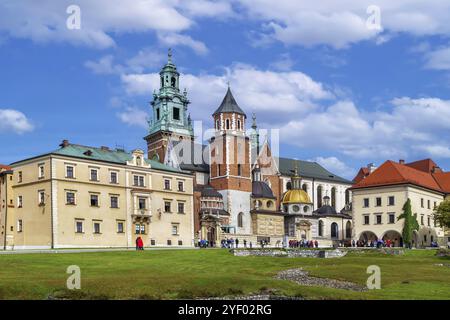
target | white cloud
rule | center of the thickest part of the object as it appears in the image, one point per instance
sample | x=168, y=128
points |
x=438, y=59
x=104, y=65
x=335, y=165
x=134, y=117
x=174, y=39
x=341, y=23
x=256, y=90
x=45, y=20
x=311, y=116
x=14, y=121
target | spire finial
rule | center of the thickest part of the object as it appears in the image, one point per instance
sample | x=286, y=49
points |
x=254, y=126
x=228, y=84
x=169, y=55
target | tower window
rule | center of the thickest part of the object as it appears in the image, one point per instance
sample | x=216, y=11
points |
x=227, y=124
x=176, y=113
x=239, y=124
x=217, y=124
x=157, y=114
x=239, y=169
x=173, y=82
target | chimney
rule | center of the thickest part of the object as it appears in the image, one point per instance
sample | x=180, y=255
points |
x=436, y=169
x=371, y=167
x=64, y=143
x=401, y=161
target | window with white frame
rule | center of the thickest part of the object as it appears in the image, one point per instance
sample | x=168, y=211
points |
x=79, y=226
x=175, y=227
x=41, y=171
x=19, y=225
x=114, y=202
x=70, y=197
x=97, y=227
x=180, y=207
x=120, y=227
x=41, y=197
x=94, y=200
x=142, y=203
x=138, y=181
x=167, y=206
x=94, y=175
x=114, y=177
x=166, y=184
x=19, y=177
x=70, y=172
x=19, y=202
x=180, y=185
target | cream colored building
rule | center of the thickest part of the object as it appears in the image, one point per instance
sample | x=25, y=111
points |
x=6, y=203
x=80, y=196
x=379, y=198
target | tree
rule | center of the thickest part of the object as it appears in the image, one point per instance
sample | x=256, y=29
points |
x=442, y=214
x=410, y=223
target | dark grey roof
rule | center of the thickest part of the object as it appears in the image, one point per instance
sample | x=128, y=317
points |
x=260, y=189
x=308, y=169
x=229, y=104
x=325, y=210
x=209, y=191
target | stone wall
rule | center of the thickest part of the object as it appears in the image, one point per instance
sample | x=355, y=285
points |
x=290, y=253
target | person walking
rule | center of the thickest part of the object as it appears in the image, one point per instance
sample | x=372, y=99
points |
x=140, y=244
x=316, y=243
x=137, y=243
x=245, y=243
x=237, y=243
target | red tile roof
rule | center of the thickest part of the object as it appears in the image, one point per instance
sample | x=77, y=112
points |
x=5, y=167
x=393, y=173
x=362, y=173
x=426, y=165
x=443, y=179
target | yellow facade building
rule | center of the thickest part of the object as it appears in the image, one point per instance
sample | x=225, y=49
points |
x=79, y=196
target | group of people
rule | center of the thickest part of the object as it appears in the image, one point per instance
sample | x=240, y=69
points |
x=379, y=243
x=303, y=244
x=234, y=243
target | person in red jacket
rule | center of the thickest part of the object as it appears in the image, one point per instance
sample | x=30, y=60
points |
x=139, y=244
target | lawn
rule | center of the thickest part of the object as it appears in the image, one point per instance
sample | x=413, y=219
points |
x=186, y=274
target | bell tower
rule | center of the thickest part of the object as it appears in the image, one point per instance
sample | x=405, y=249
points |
x=170, y=122
x=230, y=172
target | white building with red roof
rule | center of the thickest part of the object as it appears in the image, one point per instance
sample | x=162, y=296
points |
x=379, y=196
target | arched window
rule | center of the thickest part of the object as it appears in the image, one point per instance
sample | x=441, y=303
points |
x=239, y=170
x=239, y=124
x=217, y=124
x=240, y=220
x=334, y=230
x=227, y=122
x=319, y=196
x=333, y=197
x=305, y=187
x=347, y=196
x=289, y=185
x=138, y=161
x=348, y=230
x=320, y=228
x=173, y=82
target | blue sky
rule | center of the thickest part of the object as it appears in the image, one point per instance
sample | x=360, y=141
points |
x=341, y=93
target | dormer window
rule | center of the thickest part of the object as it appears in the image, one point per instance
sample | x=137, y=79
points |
x=88, y=153
x=138, y=161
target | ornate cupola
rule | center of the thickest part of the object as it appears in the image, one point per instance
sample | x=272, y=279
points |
x=296, y=200
x=170, y=122
x=262, y=194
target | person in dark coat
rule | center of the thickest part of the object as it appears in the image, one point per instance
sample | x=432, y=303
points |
x=237, y=243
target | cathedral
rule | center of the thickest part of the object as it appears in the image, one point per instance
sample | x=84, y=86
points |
x=241, y=190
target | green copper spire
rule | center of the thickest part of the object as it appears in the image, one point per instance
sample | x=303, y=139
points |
x=170, y=104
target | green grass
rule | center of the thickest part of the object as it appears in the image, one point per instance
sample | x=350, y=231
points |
x=177, y=274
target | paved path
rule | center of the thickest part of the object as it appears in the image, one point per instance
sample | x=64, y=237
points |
x=81, y=250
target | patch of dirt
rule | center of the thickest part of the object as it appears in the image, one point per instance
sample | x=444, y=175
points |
x=301, y=277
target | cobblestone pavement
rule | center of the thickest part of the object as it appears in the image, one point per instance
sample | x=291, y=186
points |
x=301, y=277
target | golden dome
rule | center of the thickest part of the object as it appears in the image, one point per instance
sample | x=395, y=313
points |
x=296, y=196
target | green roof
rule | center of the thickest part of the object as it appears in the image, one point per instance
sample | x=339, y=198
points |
x=116, y=156
x=308, y=169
